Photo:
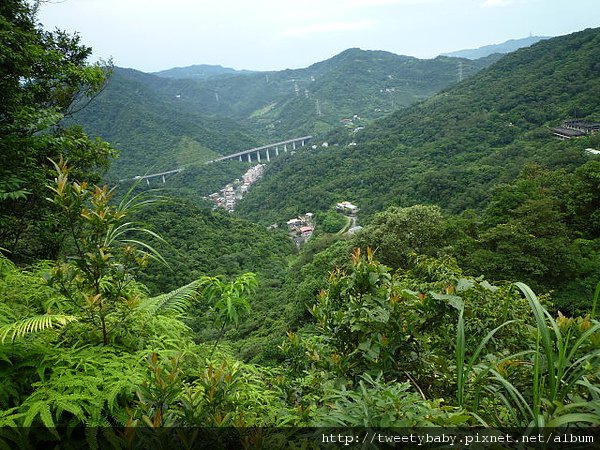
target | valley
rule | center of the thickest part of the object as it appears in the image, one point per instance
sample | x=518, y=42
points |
x=221, y=115
x=373, y=241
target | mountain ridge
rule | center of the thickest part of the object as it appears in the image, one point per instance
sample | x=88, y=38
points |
x=508, y=46
x=452, y=148
x=200, y=71
x=224, y=114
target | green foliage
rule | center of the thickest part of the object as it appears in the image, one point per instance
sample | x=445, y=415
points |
x=565, y=363
x=330, y=222
x=88, y=385
x=539, y=229
x=375, y=403
x=403, y=326
x=182, y=388
x=202, y=242
x=174, y=302
x=397, y=233
x=34, y=324
x=229, y=301
x=99, y=281
x=44, y=75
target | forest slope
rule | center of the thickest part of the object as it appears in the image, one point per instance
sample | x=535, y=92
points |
x=369, y=84
x=161, y=123
x=155, y=132
x=454, y=147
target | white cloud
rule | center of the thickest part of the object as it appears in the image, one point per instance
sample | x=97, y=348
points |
x=330, y=27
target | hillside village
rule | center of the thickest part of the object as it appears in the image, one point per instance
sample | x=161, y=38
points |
x=233, y=192
x=301, y=228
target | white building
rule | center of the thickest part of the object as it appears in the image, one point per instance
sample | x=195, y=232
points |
x=347, y=207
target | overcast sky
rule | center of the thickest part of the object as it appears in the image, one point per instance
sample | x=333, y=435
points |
x=152, y=35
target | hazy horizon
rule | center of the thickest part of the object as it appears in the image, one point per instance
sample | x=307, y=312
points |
x=264, y=35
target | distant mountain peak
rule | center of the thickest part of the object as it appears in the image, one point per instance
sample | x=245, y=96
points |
x=505, y=47
x=199, y=72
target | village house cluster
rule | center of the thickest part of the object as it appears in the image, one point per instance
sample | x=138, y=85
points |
x=301, y=225
x=351, y=122
x=233, y=192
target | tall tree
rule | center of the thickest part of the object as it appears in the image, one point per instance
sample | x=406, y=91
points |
x=43, y=77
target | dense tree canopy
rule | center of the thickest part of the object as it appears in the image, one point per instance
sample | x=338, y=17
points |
x=42, y=75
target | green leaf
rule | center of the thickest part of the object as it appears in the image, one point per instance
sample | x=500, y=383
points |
x=34, y=324
x=572, y=419
x=453, y=300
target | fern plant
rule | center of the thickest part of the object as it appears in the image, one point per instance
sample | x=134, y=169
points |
x=34, y=324
x=175, y=302
x=89, y=385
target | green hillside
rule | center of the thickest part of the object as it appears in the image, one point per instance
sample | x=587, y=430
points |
x=154, y=132
x=368, y=84
x=454, y=147
x=519, y=203
x=202, y=242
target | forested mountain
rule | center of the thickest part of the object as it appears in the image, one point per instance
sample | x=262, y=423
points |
x=505, y=47
x=199, y=71
x=281, y=104
x=162, y=123
x=153, y=131
x=454, y=147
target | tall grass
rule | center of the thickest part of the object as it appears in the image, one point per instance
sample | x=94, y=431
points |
x=464, y=370
x=560, y=369
x=560, y=392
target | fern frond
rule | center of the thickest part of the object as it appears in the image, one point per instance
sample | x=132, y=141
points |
x=34, y=324
x=43, y=410
x=174, y=302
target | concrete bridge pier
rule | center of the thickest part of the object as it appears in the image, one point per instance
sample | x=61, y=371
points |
x=240, y=157
x=249, y=158
x=148, y=181
x=285, y=148
x=276, y=151
x=302, y=142
x=294, y=145
x=268, y=156
x=163, y=178
x=258, y=156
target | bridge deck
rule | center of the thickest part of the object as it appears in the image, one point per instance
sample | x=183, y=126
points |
x=263, y=147
x=222, y=158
